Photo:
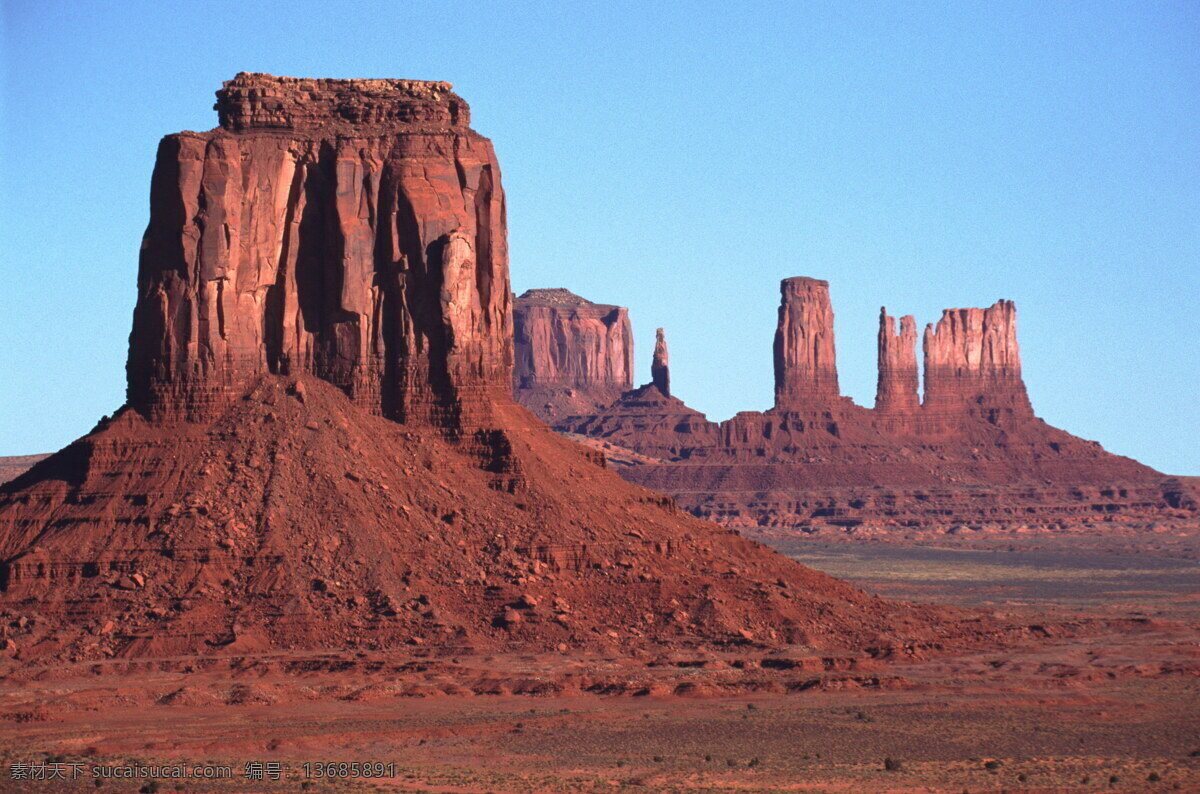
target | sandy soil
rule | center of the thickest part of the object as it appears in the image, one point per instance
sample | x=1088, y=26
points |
x=1101, y=710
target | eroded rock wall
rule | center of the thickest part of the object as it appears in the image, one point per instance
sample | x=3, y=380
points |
x=896, y=391
x=350, y=229
x=573, y=356
x=973, y=365
x=805, y=361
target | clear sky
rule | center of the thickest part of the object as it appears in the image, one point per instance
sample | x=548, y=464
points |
x=680, y=159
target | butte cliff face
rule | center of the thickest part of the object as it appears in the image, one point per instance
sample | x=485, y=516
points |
x=896, y=392
x=805, y=362
x=973, y=365
x=319, y=452
x=572, y=356
x=347, y=229
x=972, y=451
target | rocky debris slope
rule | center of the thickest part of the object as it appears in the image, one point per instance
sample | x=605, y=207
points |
x=319, y=450
x=572, y=356
x=972, y=451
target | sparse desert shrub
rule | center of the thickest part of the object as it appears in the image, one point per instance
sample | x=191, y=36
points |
x=893, y=765
x=707, y=757
x=730, y=762
x=658, y=759
x=991, y=765
x=1154, y=777
x=753, y=762
x=1022, y=777
x=1113, y=779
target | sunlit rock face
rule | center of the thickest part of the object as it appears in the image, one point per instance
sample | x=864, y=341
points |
x=573, y=356
x=349, y=229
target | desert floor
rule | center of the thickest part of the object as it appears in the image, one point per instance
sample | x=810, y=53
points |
x=1114, y=710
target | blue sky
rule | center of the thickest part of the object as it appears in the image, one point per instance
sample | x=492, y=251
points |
x=680, y=159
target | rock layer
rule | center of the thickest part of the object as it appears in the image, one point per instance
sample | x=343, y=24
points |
x=572, y=356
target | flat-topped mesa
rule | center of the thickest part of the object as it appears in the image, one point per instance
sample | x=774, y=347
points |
x=805, y=364
x=368, y=250
x=896, y=391
x=266, y=102
x=660, y=373
x=973, y=364
x=572, y=356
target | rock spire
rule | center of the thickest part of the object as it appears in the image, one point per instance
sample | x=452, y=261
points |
x=805, y=363
x=660, y=374
x=896, y=391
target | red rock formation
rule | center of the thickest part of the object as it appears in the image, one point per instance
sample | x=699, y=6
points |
x=660, y=374
x=805, y=364
x=322, y=311
x=974, y=452
x=973, y=364
x=647, y=417
x=897, y=388
x=572, y=356
x=350, y=229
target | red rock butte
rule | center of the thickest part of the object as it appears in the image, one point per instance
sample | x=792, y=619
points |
x=347, y=229
x=805, y=361
x=573, y=356
x=320, y=450
x=971, y=452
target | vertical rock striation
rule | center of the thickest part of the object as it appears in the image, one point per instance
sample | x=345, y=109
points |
x=973, y=365
x=896, y=391
x=660, y=374
x=349, y=229
x=572, y=356
x=805, y=364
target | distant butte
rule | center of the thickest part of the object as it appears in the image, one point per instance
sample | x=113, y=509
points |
x=971, y=452
x=572, y=356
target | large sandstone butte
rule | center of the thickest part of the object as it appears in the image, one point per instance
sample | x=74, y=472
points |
x=971, y=452
x=572, y=356
x=319, y=449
